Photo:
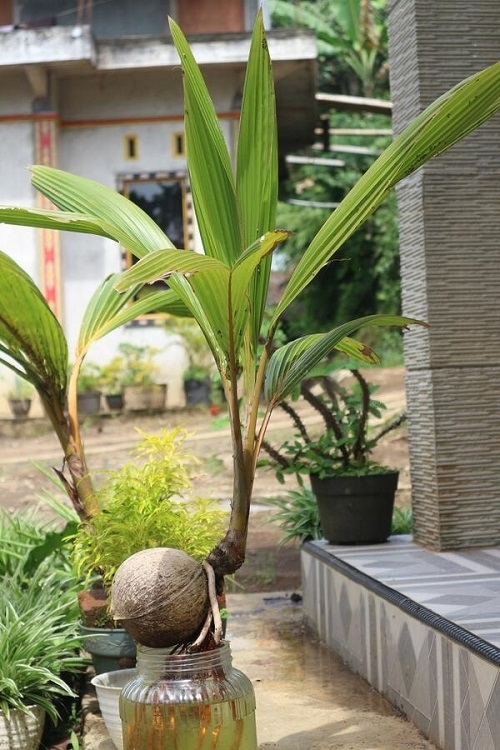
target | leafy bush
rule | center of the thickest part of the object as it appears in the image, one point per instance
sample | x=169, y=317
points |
x=142, y=506
x=344, y=445
x=297, y=515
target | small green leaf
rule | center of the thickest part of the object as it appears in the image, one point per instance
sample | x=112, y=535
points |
x=290, y=364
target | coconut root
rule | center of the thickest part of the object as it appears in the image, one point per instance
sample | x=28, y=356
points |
x=213, y=614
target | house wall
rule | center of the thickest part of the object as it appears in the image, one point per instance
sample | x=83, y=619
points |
x=113, y=19
x=94, y=123
x=95, y=116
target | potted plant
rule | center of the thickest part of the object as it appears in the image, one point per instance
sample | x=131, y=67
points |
x=197, y=376
x=143, y=504
x=224, y=290
x=20, y=398
x=40, y=660
x=355, y=494
x=141, y=391
x=111, y=383
x=89, y=394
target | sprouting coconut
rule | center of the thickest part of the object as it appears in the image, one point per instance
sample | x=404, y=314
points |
x=160, y=596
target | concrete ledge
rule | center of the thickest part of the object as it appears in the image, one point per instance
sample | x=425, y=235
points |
x=444, y=677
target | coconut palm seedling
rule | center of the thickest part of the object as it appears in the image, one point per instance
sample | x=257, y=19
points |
x=223, y=290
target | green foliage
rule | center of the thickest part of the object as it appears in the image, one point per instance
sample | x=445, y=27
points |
x=143, y=504
x=352, y=40
x=26, y=543
x=39, y=643
x=365, y=273
x=137, y=364
x=402, y=521
x=38, y=640
x=344, y=445
x=112, y=375
x=21, y=389
x=224, y=289
x=190, y=336
x=89, y=377
x=297, y=515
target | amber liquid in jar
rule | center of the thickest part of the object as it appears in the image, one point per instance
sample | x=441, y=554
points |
x=188, y=702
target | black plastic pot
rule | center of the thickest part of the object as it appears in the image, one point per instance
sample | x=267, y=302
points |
x=197, y=391
x=114, y=401
x=356, y=510
x=89, y=402
x=20, y=407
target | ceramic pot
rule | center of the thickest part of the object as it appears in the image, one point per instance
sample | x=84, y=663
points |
x=356, y=510
x=145, y=397
x=110, y=648
x=22, y=731
x=108, y=687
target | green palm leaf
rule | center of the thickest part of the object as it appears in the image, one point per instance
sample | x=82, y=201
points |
x=209, y=164
x=257, y=163
x=293, y=362
x=47, y=219
x=125, y=222
x=442, y=124
x=32, y=342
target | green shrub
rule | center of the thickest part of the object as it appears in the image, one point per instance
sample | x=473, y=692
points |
x=142, y=506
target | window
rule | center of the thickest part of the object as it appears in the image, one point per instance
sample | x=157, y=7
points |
x=178, y=147
x=131, y=147
x=165, y=197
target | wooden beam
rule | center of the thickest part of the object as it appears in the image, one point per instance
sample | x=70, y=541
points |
x=355, y=103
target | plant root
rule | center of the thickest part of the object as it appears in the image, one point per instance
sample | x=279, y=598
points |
x=213, y=614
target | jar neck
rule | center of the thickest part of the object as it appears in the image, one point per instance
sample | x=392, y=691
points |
x=161, y=663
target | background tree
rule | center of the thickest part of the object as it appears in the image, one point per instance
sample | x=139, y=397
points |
x=352, y=46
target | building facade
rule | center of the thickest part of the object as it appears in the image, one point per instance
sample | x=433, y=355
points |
x=95, y=88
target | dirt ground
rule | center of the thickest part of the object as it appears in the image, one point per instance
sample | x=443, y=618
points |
x=109, y=441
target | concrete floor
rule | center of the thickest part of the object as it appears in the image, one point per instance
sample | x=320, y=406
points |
x=306, y=698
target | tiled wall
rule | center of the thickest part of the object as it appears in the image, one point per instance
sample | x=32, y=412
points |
x=450, y=693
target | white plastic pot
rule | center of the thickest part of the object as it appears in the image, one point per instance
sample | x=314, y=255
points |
x=108, y=687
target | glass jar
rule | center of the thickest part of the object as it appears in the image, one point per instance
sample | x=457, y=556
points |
x=191, y=701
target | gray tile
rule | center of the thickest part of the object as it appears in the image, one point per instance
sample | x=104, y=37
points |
x=493, y=711
x=484, y=739
x=407, y=657
x=345, y=610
